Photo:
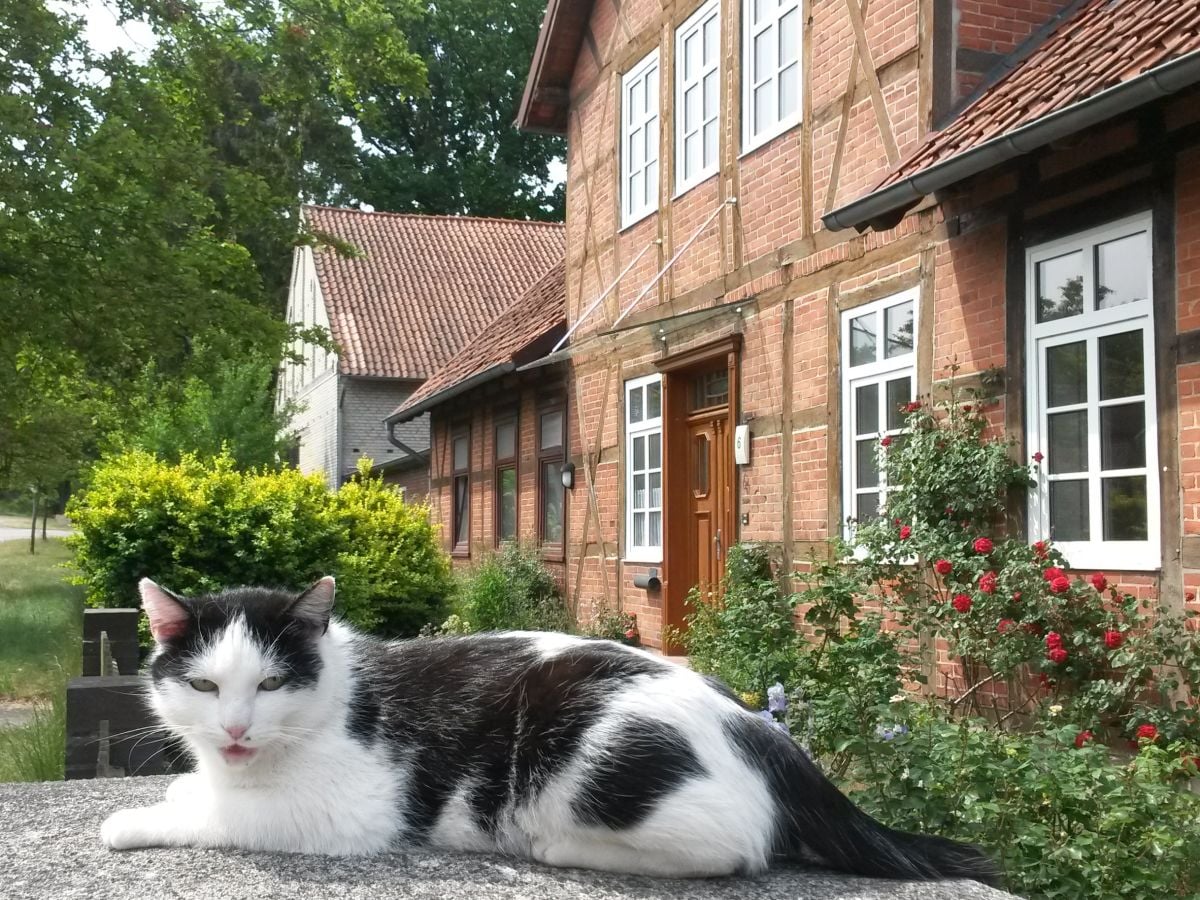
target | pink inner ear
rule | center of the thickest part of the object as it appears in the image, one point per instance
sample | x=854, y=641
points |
x=168, y=617
x=164, y=631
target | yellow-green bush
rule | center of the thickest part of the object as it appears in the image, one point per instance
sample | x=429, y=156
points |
x=203, y=525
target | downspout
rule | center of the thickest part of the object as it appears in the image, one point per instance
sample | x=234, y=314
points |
x=396, y=442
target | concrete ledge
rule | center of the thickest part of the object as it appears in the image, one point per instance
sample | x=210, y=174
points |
x=50, y=848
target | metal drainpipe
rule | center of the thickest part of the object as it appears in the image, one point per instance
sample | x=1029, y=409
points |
x=395, y=441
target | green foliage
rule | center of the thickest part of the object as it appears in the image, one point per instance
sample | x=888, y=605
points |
x=614, y=625
x=745, y=635
x=203, y=525
x=510, y=590
x=36, y=751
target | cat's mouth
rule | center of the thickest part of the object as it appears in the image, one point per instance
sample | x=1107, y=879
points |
x=237, y=753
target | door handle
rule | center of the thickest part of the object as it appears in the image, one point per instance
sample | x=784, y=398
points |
x=717, y=541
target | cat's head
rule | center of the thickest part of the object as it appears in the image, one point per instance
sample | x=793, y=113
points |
x=236, y=673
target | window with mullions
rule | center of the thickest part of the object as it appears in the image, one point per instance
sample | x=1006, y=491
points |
x=460, y=451
x=878, y=380
x=643, y=469
x=551, y=493
x=697, y=96
x=771, y=32
x=1091, y=396
x=639, y=140
x=505, y=466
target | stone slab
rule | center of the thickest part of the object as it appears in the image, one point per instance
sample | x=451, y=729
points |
x=50, y=848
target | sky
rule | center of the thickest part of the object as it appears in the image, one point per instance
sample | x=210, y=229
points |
x=102, y=29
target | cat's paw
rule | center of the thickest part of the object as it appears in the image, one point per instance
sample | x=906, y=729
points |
x=185, y=788
x=125, y=830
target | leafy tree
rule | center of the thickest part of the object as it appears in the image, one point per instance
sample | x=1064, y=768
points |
x=456, y=149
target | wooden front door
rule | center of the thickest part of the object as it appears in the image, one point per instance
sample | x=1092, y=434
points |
x=709, y=476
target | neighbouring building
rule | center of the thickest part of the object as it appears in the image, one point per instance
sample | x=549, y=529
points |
x=398, y=294
x=500, y=415
x=786, y=218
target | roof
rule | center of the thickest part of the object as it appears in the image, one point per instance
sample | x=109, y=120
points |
x=1108, y=57
x=523, y=330
x=546, y=102
x=424, y=285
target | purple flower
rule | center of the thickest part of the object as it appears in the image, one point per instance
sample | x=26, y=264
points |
x=776, y=698
x=769, y=718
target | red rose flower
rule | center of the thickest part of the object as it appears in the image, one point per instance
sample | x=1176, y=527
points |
x=912, y=406
x=1057, y=655
x=1147, y=733
x=1038, y=457
x=943, y=567
x=1053, y=639
x=1051, y=573
x=966, y=407
x=905, y=532
x=1189, y=596
x=987, y=583
x=885, y=442
x=630, y=634
x=1113, y=639
x=982, y=545
x=1060, y=585
x=1005, y=626
x=962, y=603
x=1016, y=596
x=1099, y=582
x=1082, y=738
x=1039, y=549
x=949, y=512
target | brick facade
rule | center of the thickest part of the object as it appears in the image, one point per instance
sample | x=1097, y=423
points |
x=769, y=271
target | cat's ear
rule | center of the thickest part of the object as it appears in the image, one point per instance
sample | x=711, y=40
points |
x=168, y=616
x=314, y=607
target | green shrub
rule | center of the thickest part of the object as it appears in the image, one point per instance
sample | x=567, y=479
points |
x=614, y=625
x=510, y=590
x=201, y=526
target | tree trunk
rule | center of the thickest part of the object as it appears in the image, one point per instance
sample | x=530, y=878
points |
x=45, y=516
x=33, y=525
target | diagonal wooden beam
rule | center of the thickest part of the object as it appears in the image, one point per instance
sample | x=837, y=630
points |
x=868, y=67
x=835, y=171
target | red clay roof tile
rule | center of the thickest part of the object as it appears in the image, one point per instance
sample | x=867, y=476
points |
x=424, y=285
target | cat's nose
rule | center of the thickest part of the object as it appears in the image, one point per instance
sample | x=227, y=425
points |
x=235, y=731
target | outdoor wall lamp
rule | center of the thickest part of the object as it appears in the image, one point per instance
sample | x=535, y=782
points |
x=568, y=476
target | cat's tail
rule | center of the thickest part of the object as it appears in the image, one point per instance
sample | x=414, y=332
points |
x=819, y=825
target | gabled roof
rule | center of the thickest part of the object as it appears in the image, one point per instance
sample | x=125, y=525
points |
x=424, y=285
x=546, y=101
x=524, y=330
x=1110, y=56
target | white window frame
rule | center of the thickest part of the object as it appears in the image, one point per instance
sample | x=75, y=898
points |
x=880, y=373
x=752, y=80
x=706, y=67
x=1089, y=326
x=643, y=553
x=635, y=209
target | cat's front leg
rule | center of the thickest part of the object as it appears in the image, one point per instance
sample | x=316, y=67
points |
x=161, y=825
x=185, y=789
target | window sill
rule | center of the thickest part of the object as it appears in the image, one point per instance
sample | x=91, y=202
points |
x=1110, y=557
x=626, y=224
x=553, y=553
x=458, y=553
x=750, y=145
x=643, y=559
x=700, y=179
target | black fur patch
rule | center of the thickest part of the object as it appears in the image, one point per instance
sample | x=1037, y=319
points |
x=267, y=619
x=644, y=762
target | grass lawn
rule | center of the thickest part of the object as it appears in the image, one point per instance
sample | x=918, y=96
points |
x=41, y=624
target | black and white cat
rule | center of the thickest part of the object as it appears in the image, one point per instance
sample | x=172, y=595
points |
x=309, y=737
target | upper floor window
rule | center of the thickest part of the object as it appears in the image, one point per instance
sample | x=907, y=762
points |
x=770, y=69
x=639, y=140
x=878, y=381
x=644, y=469
x=1091, y=396
x=697, y=96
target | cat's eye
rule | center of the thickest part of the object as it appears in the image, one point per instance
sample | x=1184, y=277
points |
x=203, y=684
x=271, y=683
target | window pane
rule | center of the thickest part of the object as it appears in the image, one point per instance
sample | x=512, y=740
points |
x=654, y=400
x=1060, y=287
x=866, y=507
x=789, y=38
x=651, y=186
x=899, y=392
x=654, y=538
x=639, y=529
x=508, y=504
x=1125, y=508
x=710, y=389
x=691, y=108
x=866, y=469
x=1123, y=436
x=638, y=500
x=655, y=480
x=461, y=520
x=710, y=94
x=862, y=340
x=700, y=464
x=711, y=35
x=1069, y=510
x=710, y=143
x=1067, y=442
x=691, y=155
x=655, y=447
x=1121, y=365
x=638, y=462
x=764, y=99
x=1066, y=374
x=789, y=92
x=552, y=427
x=691, y=49
x=635, y=405
x=764, y=56
x=866, y=413
x=552, y=502
x=1122, y=271
x=636, y=192
x=506, y=440
x=899, y=327
x=461, y=455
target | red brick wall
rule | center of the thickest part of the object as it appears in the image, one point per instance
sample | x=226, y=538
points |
x=414, y=480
